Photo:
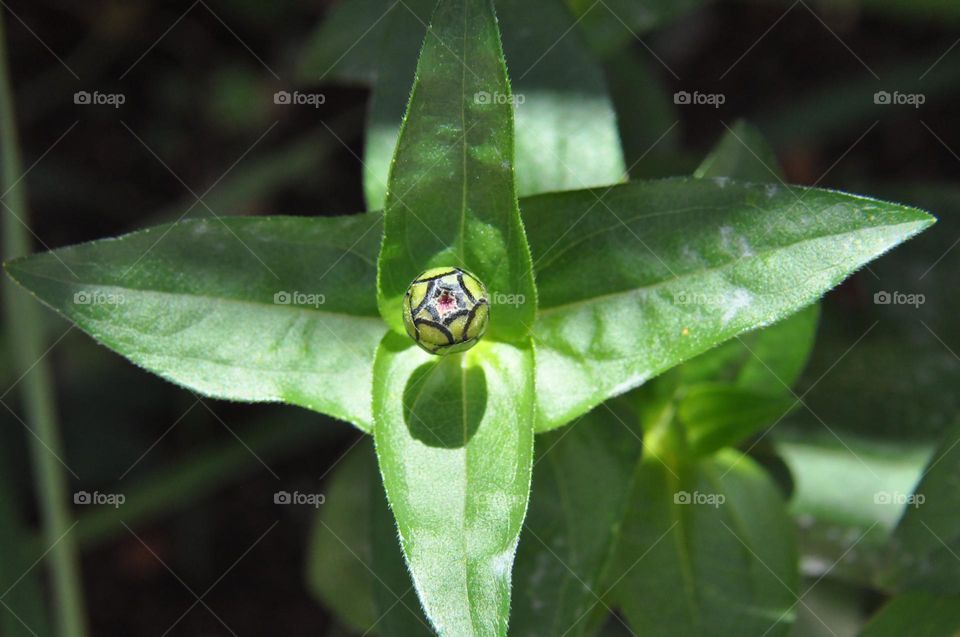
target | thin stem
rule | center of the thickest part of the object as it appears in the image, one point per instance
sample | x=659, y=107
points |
x=22, y=315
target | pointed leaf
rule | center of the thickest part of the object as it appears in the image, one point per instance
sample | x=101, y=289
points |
x=451, y=198
x=742, y=153
x=707, y=549
x=731, y=392
x=253, y=309
x=458, y=491
x=219, y=359
x=566, y=130
x=580, y=487
x=769, y=359
x=640, y=277
x=394, y=595
x=404, y=26
x=354, y=563
x=717, y=415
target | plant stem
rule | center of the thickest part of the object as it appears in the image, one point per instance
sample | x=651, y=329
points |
x=22, y=315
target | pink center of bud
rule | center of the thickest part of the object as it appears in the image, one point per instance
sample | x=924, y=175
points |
x=445, y=302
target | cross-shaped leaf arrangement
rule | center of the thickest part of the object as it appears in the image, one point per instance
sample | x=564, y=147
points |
x=592, y=293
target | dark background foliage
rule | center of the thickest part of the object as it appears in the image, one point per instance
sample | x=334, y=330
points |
x=198, y=80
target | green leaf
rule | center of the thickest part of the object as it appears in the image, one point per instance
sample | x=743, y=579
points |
x=394, y=595
x=717, y=415
x=917, y=615
x=580, y=486
x=374, y=42
x=458, y=507
x=707, y=549
x=404, y=26
x=885, y=345
x=354, y=564
x=845, y=532
x=778, y=354
x=646, y=116
x=927, y=539
x=742, y=153
x=769, y=360
x=339, y=552
x=732, y=391
x=451, y=198
x=566, y=130
x=640, y=277
x=863, y=346
x=194, y=281
x=252, y=309
x=444, y=402
x=371, y=42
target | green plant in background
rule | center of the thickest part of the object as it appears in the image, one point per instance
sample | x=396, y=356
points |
x=595, y=425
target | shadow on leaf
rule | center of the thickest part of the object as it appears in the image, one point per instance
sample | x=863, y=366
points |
x=444, y=402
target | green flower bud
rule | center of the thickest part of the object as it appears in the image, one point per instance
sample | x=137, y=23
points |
x=446, y=310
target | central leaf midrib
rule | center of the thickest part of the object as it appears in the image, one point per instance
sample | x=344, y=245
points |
x=461, y=254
